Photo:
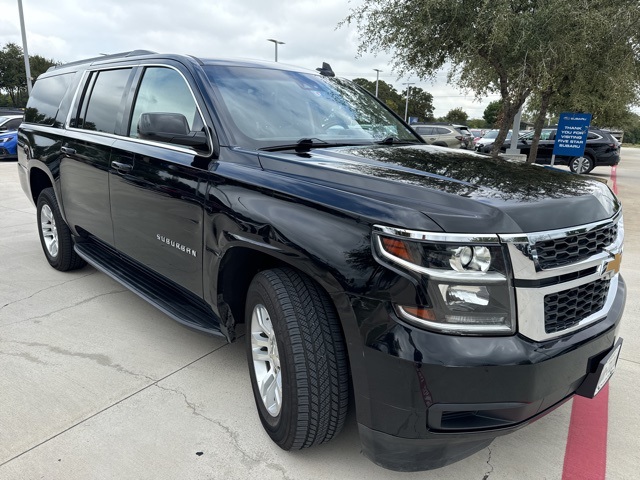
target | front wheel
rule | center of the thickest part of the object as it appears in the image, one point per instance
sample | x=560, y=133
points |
x=55, y=235
x=297, y=359
x=582, y=164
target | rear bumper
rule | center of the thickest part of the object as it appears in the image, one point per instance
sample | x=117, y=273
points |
x=428, y=400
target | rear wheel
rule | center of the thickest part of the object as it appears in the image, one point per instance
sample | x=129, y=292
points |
x=55, y=235
x=582, y=164
x=297, y=359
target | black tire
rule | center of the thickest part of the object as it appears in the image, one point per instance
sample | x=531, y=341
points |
x=64, y=258
x=311, y=355
x=582, y=164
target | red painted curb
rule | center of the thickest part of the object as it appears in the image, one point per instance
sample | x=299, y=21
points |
x=585, y=457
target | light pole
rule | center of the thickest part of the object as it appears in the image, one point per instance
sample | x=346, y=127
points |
x=377, y=70
x=276, y=43
x=406, y=107
x=27, y=68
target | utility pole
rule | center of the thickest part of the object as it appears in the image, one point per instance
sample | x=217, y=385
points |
x=406, y=107
x=377, y=70
x=276, y=43
x=27, y=67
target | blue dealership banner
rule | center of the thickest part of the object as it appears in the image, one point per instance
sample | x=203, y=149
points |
x=571, y=135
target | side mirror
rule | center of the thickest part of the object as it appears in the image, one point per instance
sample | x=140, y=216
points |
x=170, y=128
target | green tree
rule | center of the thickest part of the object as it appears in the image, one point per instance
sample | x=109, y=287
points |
x=503, y=46
x=457, y=115
x=13, y=79
x=420, y=104
x=492, y=113
x=386, y=93
x=602, y=77
x=39, y=65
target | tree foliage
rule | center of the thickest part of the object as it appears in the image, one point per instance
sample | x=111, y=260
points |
x=13, y=78
x=512, y=47
x=492, y=113
x=457, y=115
x=386, y=92
x=420, y=101
x=420, y=104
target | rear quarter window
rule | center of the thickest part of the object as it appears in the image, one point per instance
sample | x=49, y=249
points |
x=45, y=99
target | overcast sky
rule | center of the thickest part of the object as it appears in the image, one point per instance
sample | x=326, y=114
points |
x=68, y=30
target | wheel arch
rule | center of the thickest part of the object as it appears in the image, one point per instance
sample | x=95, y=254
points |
x=240, y=264
x=38, y=181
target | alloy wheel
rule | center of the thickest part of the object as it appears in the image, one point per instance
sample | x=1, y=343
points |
x=266, y=360
x=49, y=230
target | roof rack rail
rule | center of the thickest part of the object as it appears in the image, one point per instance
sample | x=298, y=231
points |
x=113, y=56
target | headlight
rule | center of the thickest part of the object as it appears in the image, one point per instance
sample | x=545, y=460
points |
x=467, y=280
x=5, y=139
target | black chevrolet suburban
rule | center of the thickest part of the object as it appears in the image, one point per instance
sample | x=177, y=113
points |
x=456, y=297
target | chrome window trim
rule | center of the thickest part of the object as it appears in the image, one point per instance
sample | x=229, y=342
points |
x=138, y=140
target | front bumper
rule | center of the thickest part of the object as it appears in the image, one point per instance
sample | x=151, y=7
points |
x=425, y=400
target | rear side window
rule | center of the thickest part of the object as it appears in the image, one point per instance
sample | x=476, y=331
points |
x=102, y=107
x=12, y=124
x=424, y=130
x=442, y=131
x=593, y=136
x=164, y=90
x=45, y=99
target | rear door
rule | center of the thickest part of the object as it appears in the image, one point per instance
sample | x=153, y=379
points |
x=86, y=150
x=157, y=189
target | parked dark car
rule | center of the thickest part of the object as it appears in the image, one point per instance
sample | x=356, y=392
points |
x=602, y=149
x=455, y=296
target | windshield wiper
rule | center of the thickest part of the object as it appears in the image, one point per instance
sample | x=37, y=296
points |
x=393, y=140
x=304, y=145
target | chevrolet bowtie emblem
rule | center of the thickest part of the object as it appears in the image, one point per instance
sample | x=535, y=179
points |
x=614, y=265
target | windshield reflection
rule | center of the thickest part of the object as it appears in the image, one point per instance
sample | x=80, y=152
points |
x=269, y=107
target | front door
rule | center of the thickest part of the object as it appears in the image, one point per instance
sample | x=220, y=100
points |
x=157, y=190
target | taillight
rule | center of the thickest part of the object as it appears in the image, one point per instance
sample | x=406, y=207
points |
x=459, y=137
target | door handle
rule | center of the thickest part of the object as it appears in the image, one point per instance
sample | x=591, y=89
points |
x=68, y=150
x=122, y=167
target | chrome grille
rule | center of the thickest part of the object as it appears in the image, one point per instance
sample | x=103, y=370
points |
x=563, y=251
x=567, y=308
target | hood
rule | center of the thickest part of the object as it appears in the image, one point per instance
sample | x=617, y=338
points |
x=462, y=192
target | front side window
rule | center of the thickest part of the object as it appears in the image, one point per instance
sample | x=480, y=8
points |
x=164, y=90
x=102, y=105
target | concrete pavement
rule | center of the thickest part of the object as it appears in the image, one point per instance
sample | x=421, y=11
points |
x=97, y=384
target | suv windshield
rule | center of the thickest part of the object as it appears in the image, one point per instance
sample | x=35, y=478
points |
x=267, y=108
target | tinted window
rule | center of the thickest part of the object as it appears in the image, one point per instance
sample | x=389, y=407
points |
x=105, y=100
x=164, y=90
x=442, y=131
x=592, y=136
x=12, y=124
x=45, y=99
x=424, y=130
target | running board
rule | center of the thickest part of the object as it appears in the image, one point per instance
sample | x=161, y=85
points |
x=184, y=307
